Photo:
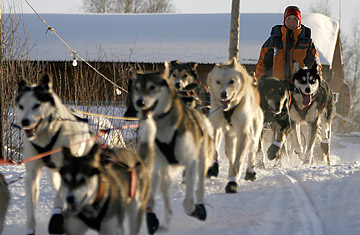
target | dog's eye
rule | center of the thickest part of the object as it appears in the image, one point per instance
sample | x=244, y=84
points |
x=151, y=88
x=67, y=178
x=21, y=107
x=185, y=75
x=231, y=82
x=80, y=178
x=174, y=75
x=36, y=106
x=218, y=82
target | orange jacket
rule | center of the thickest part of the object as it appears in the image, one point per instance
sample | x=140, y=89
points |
x=282, y=48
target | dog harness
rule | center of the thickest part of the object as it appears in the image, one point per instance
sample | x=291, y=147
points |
x=229, y=113
x=92, y=215
x=47, y=148
x=168, y=149
x=303, y=112
x=108, y=156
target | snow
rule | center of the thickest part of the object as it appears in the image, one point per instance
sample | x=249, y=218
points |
x=294, y=199
x=203, y=38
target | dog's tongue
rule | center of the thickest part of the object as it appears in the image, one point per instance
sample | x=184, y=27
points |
x=306, y=100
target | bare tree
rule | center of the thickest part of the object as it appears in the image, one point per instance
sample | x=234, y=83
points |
x=127, y=6
x=351, y=57
x=321, y=6
x=157, y=6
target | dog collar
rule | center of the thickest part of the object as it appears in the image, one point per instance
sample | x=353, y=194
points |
x=157, y=117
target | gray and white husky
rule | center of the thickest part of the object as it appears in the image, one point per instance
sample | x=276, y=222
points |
x=47, y=125
x=312, y=104
x=182, y=140
x=103, y=187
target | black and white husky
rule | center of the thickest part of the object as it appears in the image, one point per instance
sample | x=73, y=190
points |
x=182, y=140
x=103, y=187
x=47, y=125
x=312, y=104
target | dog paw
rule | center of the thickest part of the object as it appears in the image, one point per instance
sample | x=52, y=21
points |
x=56, y=224
x=273, y=151
x=199, y=212
x=213, y=170
x=231, y=187
x=152, y=222
x=30, y=231
x=250, y=176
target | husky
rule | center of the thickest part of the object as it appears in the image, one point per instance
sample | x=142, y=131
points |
x=183, y=76
x=182, y=141
x=312, y=104
x=104, y=187
x=4, y=200
x=274, y=101
x=236, y=114
x=47, y=125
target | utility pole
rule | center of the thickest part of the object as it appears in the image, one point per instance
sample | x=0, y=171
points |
x=234, y=29
x=2, y=156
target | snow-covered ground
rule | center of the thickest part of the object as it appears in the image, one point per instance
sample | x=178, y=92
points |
x=293, y=199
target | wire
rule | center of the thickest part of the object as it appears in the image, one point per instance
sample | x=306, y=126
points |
x=73, y=52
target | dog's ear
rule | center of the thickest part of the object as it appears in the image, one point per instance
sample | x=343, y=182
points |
x=234, y=62
x=94, y=155
x=46, y=82
x=130, y=110
x=23, y=87
x=166, y=72
x=296, y=67
x=174, y=62
x=67, y=154
x=193, y=65
x=314, y=68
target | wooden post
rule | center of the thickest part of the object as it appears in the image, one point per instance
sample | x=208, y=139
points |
x=2, y=153
x=234, y=29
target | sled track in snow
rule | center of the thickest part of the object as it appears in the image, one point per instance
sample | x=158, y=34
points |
x=291, y=192
x=309, y=210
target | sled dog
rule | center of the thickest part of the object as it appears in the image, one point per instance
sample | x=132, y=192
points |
x=182, y=140
x=47, y=125
x=235, y=113
x=103, y=187
x=275, y=101
x=312, y=104
x=184, y=78
x=4, y=201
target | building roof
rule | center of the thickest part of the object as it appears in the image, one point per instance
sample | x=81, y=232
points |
x=202, y=38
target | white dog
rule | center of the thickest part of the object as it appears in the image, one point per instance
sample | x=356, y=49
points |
x=235, y=112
